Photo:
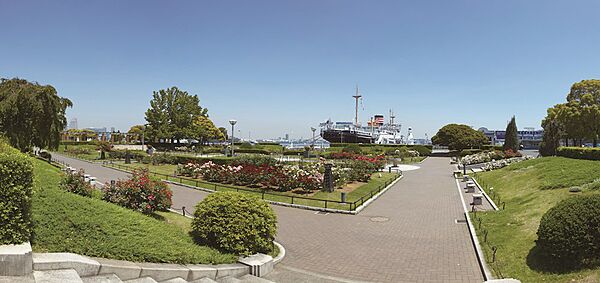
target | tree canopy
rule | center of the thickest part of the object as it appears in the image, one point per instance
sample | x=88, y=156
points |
x=459, y=137
x=31, y=114
x=576, y=120
x=204, y=130
x=511, y=138
x=172, y=114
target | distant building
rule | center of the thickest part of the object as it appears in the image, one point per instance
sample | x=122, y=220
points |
x=72, y=124
x=530, y=138
x=97, y=129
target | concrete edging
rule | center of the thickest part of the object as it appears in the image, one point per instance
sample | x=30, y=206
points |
x=16, y=260
x=258, y=265
x=488, y=198
x=487, y=275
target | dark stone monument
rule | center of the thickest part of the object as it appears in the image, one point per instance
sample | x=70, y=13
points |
x=328, y=178
x=127, y=157
x=343, y=196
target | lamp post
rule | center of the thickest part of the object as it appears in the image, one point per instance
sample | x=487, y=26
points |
x=313, y=139
x=232, y=122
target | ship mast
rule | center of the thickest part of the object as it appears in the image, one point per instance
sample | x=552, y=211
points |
x=356, y=97
x=392, y=117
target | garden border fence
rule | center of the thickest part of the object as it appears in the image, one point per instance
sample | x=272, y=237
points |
x=324, y=203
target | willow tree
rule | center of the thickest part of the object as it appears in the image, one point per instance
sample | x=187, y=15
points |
x=31, y=114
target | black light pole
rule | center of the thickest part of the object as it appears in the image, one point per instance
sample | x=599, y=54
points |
x=232, y=122
x=313, y=139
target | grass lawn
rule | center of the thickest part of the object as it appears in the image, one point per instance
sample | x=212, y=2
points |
x=66, y=222
x=529, y=189
x=286, y=197
x=92, y=149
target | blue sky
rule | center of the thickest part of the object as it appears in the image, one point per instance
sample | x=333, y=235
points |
x=281, y=67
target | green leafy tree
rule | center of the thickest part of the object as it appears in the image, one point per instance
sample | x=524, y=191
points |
x=459, y=137
x=553, y=132
x=31, y=114
x=224, y=132
x=204, y=129
x=171, y=114
x=511, y=138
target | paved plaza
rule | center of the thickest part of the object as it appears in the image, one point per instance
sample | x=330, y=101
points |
x=409, y=234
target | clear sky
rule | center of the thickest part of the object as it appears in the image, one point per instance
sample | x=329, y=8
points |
x=281, y=67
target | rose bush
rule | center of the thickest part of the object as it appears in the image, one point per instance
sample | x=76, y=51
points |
x=140, y=193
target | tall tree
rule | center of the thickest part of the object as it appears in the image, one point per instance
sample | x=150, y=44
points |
x=553, y=131
x=31, y=114
x=171, y=114
x=205, y=130
x=224, y=131
x=511, y=137
x=459, y=137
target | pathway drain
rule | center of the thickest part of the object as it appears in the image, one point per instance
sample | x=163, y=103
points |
x=460, y=221
x=379, y=219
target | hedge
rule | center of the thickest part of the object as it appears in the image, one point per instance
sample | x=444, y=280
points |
x=252, y=150
x=569, y=232
x=16, y=185
x=94, y=142
x=589, y=153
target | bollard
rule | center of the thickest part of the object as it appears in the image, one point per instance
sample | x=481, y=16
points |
x=183, y=210
x=390, y=169
x=343, y=195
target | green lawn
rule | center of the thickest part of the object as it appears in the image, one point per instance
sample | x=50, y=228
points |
x=66, y=222
x=529, y=189
x=92, y=149
x=286, y=197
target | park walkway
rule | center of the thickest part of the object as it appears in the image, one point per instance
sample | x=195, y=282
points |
x=408, y=235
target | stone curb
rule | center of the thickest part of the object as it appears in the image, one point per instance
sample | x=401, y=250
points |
x=369, y=201
x=15, y=260
x=258, y=265
x=488, y=198
x=487, y=275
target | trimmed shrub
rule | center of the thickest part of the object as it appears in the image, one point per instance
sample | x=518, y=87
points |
x=570, y=231
x=352, y=148
x=16, y=175
x=422, y=149
x=253, y=151
x=139, y=193
x=75, y=183
x=235, y=223
x=45, y=155
x=589, y=153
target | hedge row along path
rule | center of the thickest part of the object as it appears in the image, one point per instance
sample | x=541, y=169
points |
x=409, y=234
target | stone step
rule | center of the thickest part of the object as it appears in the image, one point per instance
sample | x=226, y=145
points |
x=141, y=280
x=229, y=279
x=253, y=279
x=106, y=278
x=57, y=276
x=17, y=279
x=175, y=280
x=204, y=280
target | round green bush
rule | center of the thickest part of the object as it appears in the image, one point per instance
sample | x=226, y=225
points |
x=570, y=231
x=235, y=223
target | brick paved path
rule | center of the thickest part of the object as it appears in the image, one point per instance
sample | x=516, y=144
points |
x=418, y=242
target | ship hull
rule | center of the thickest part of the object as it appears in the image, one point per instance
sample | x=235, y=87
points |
x=345, y=136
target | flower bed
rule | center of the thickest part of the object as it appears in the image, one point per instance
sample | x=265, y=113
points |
x=284, y=177
x=488, y=156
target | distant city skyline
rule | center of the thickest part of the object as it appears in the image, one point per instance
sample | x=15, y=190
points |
x=283, y=67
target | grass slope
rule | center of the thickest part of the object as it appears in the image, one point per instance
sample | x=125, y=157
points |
x=529, y=189
x=66, y=222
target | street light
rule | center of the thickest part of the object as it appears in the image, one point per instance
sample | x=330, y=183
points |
x=313, y=139
x=232, y=122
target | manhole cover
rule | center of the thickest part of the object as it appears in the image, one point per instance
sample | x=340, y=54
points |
x=379, y=219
